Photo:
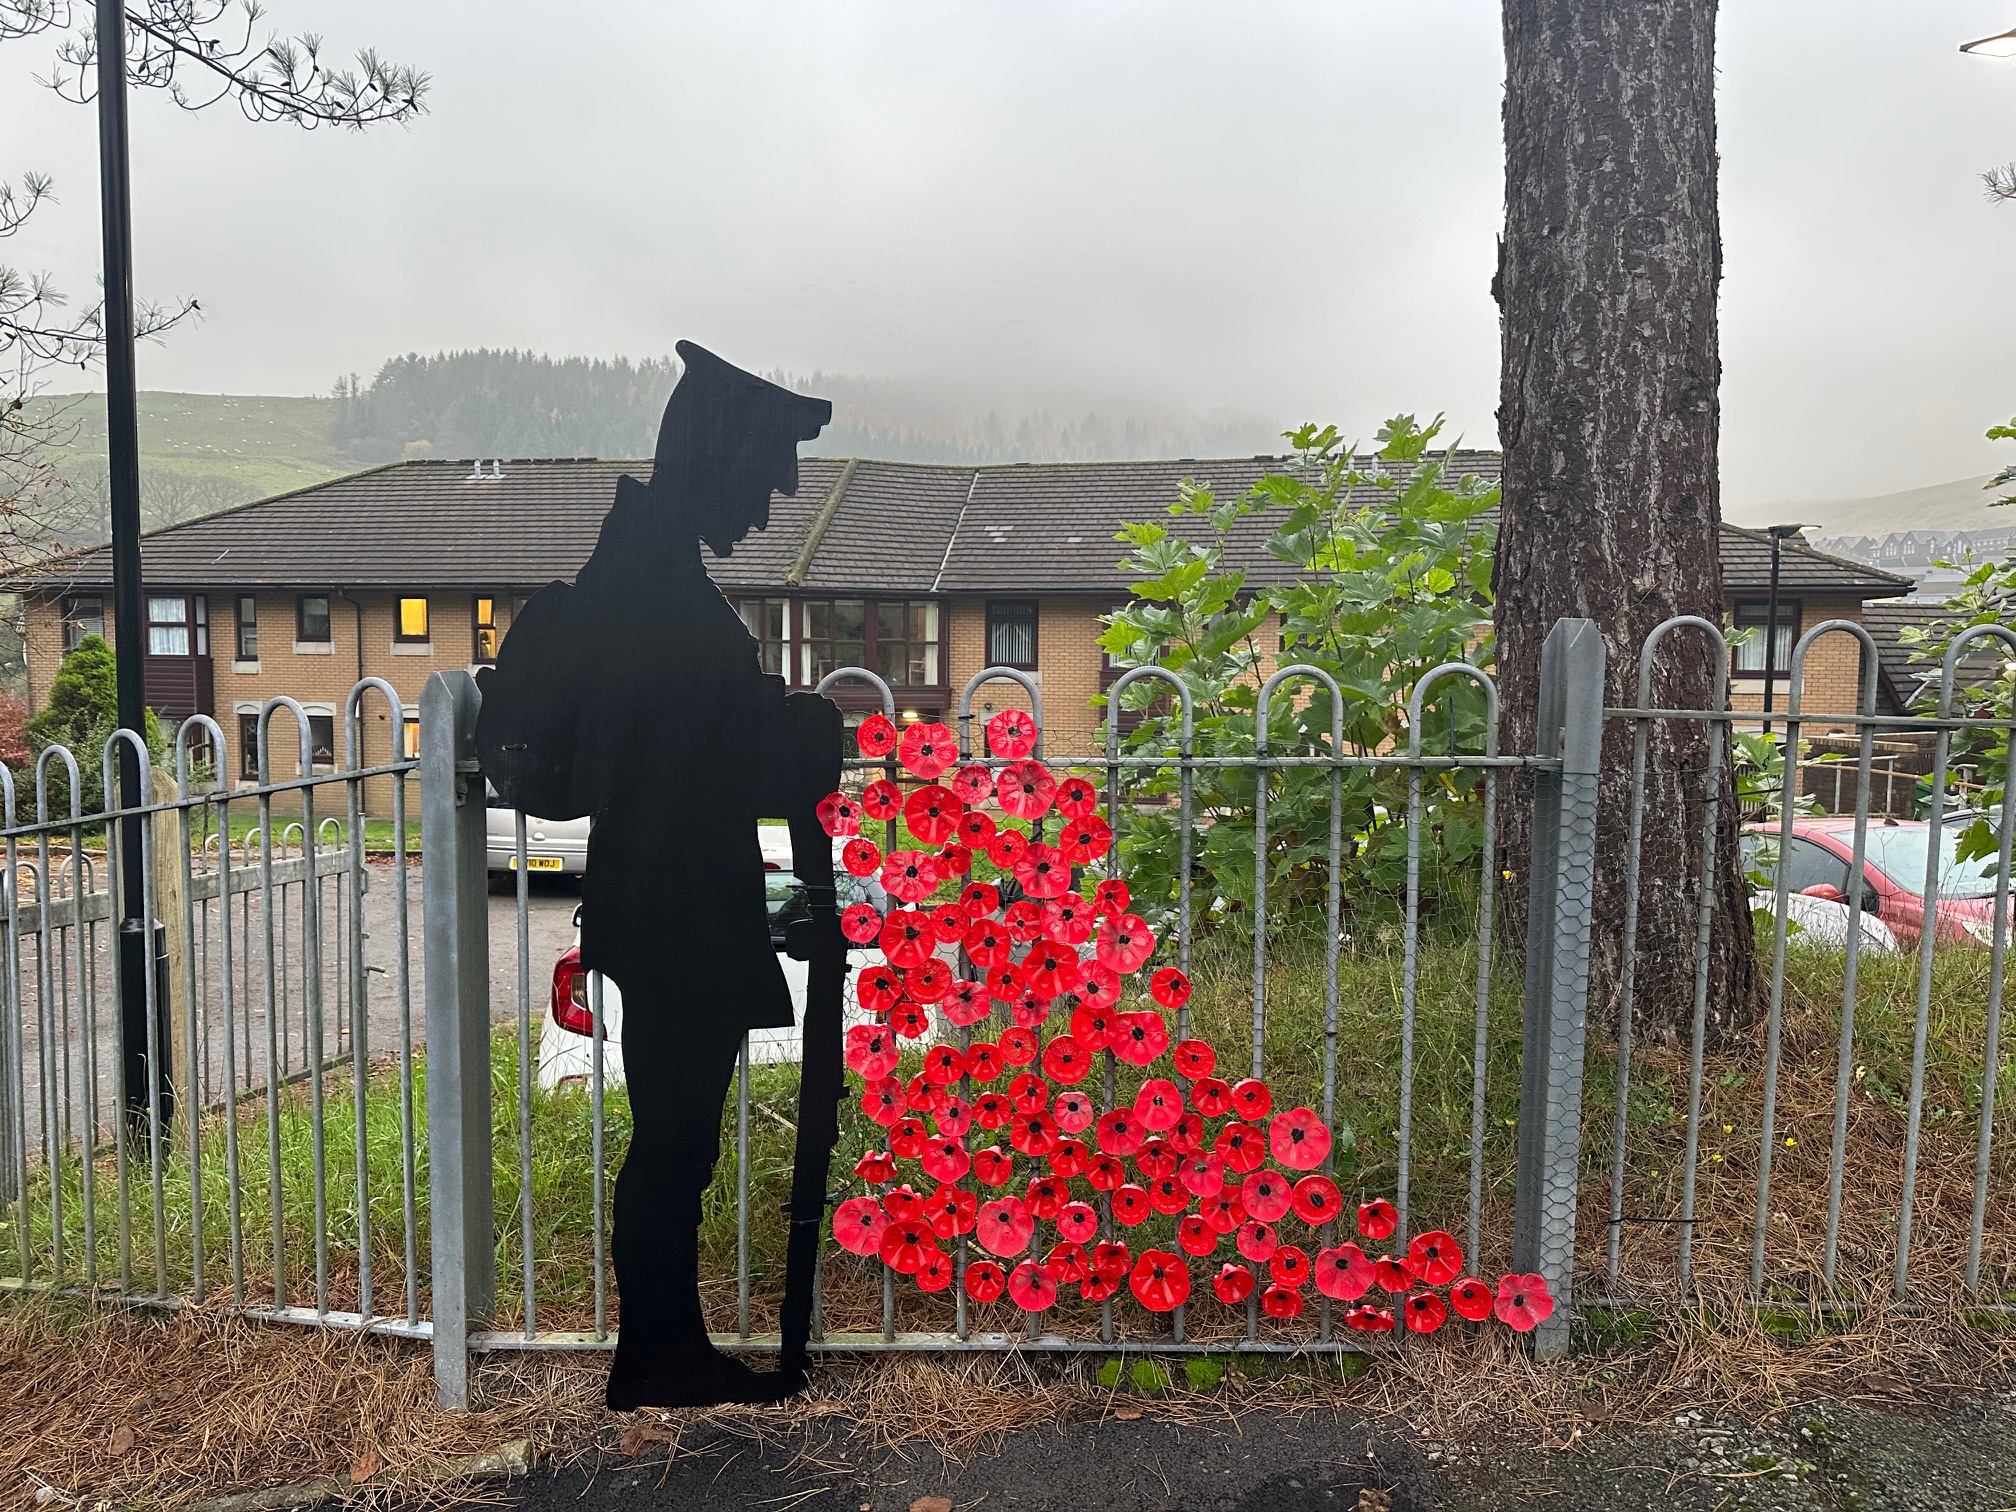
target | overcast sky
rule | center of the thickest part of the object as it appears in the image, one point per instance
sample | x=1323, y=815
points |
x=1282, y=209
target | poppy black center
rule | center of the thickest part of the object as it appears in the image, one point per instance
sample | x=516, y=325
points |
x=1520, y=1300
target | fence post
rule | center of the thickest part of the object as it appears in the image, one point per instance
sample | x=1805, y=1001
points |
x=1560, y=893
x=456, y=916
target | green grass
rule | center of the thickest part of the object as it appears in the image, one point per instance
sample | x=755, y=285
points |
x=265, y=444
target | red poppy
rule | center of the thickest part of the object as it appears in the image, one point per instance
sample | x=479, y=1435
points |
x=972, y=784
x=875, y=736
x=1194, y=1057
x=1033, y=1134
x=1316, y=1200
x=1157, y=1159
x=1267, y=1195
x=1066, y=1262
x=1074, y=1112
x=923, y=1096
x=909, y=1020
x=1393, y=1275
x=977, y=832
x=861, y=858
x=1067, y=919
x=1524, y=1302
x=1078, y=1221
x=943, y=1065
x=1106, y=1172
x=1066, y=1060
x=1436, y=1257
x=990, y=1109
x=1142, y=1038
x=1070, y=1158
x=1251, y=1100
x=838, y=815
x=1003, y=1227
x=1025, y=790
x=1257, y=1240
x=1369, y=1319
x=876, y=1166
x=1242, y=1147
x=1084, y=841
x=983, y=1057
x=1018, y=1045
x=948, y=923
x=1425, y=1312
x=1158, y=1104
x=1299, y=1139
x=1024, y=920
x=954, y=1118
x=1233, y=1284
x=1011, y=734
x=1130, y=1204
x=993, y=1166
x=954, y=861
x=1111, y=896
x=1194, y=1236
x=932, y=812
x=1031, y=1287
x=1378, y=1218
x=871, y=1050
x=1472, y=1298
x=1280, y=1301
x=1211, y=1097
x=909, y=876
x=903, y=1203
x=1125, y=942
x=906, y=1245
x=1187, y=1133
x=1222, y=1211
x=1166, y=1195
x=1004, y=983
x=1092, y=1027
x=965, y=1003
x=1029, y=1010
x=860, y=923
x=1097, y=1288
x=945, y=1158
x=881, y=800
x=1046, y=1198
x=936, y=1273
x=1110, y=1258
x=927, y=749
x=984, y=1281
x=1029, y=1093
x=951, y=1211
x=907, y=938
x=1343, y=1273
x=1120, y=1132
x=1076, y=798
x=929, y=982
x=1289, y=1266
x=882, y=1099
x=906, y=1138
x=1202, y=1174
x=1160, y=1281
x=1098, y=986
x=1171, y=988
x=1050, y=968
x=859, y=1224
x=1006, y=847
x=877, y=988
x=988, y=944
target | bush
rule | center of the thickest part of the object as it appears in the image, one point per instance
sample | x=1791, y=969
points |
x=82, y=713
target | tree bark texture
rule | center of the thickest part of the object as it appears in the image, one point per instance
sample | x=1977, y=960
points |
x=1610, y=420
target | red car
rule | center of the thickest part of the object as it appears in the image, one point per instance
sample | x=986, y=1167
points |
x=1893, y=873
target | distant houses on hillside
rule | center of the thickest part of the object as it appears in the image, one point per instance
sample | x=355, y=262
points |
x=1917, y=554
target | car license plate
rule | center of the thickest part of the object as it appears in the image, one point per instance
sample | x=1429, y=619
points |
x=538, y=863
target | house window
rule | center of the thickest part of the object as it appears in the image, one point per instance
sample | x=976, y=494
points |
x=835, y=636
x=178, y=625
x=200, y=622
x=248, y=747
x=83, y=614
x=248, y=628
x=486, y=631
x=311, y=618
x=768, y=622
x=1011, y=633
x=1754, y=614
x=409, y=737
x=412, y=621
x=906, y=643
x=322, y=738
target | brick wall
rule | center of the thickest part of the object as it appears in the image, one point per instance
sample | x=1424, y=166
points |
x=1831, y=672
x=1069, y=666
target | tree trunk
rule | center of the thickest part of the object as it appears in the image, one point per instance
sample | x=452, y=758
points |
x=1609, y=418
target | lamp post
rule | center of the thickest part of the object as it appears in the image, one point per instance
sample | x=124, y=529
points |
x=1779, y=534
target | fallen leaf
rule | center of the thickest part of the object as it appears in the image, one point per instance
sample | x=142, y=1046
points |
x=643, y=1433
x=365, y=1466
x=121, y=1441
x=1127, y=1414
x=932, y=1504
x=1371, y=1500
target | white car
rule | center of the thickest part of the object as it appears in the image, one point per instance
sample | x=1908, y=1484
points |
x=1817, y=920
x=566, y=1052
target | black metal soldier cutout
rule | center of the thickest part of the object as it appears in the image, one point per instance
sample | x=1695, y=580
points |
x=636, y=696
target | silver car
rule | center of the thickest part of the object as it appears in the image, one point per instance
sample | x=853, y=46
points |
x=556, y=847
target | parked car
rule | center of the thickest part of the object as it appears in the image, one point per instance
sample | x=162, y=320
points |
x=1820, y=920
x=1893, y=875
x=566, y=1050
x=552, y=846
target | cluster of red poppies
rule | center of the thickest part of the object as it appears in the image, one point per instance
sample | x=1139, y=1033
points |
x=1161, y=1155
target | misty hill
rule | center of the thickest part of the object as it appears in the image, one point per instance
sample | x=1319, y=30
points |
x=1965, y=504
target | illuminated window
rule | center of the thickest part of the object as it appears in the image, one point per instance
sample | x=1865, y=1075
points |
x=486, y=629
x=412, y=622
x=409, y=737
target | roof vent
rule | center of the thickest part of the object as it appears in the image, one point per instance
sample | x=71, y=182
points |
x=475, y=470
x=496, y=467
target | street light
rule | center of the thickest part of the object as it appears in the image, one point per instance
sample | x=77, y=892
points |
x=1779, y=534
x=2002, y=45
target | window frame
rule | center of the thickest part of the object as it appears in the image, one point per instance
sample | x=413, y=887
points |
x=241, y=623
x=399, y=635
x=179, y=624
x=1035, y=612
x=479, y=622
x=782, y=644
x=328, y=635
x=1752, y=614
x=409, y=735
x=248, y=747
x=68, y=610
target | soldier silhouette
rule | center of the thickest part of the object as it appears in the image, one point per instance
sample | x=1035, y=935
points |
x=635, y=695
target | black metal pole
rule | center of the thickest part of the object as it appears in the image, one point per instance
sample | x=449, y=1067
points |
x=1771, y=631
x=122, y=446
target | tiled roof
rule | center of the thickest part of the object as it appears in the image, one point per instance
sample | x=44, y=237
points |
x=1906, y=677
x=893, y=528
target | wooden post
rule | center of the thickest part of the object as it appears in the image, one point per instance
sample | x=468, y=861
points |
x=173, y=918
